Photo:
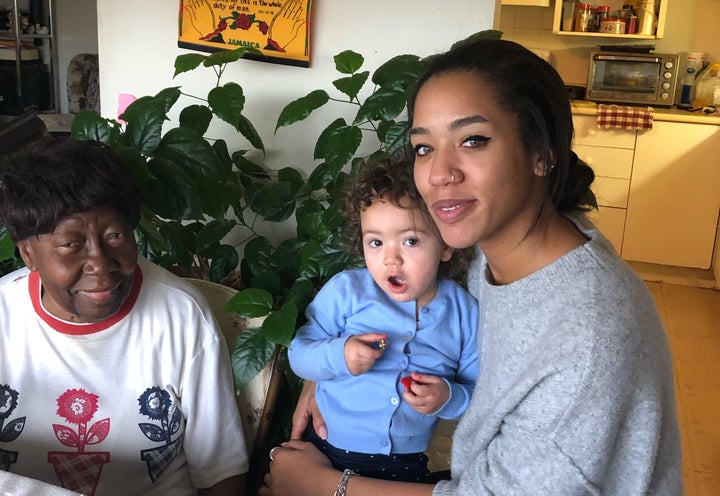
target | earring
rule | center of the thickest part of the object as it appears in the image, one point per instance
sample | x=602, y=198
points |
x=452, y=178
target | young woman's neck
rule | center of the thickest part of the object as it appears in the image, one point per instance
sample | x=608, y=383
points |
x=522, y=253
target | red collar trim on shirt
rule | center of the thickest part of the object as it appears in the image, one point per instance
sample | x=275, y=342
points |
x=35, y=285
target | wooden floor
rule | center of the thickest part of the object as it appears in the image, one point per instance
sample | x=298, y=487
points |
x=691, y=316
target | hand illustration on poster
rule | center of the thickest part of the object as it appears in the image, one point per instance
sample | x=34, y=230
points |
x=278, y=29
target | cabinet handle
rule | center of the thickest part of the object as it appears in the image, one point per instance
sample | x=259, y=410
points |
x=592, y=132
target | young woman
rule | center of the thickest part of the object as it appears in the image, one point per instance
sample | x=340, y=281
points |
x=575, y=394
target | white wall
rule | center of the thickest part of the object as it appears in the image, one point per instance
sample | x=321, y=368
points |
x=76, y=33
x=138, y=45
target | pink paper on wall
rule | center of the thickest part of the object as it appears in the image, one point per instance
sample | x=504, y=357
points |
x=124, y=99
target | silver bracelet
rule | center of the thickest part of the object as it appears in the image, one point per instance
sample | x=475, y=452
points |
x=342, y=485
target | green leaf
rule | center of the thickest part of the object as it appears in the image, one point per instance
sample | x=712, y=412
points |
x=323, y=260
x=224, y=260
x=333, y=218
x=348, y=62
x=196, y=117
x=7, y=247
x=223, y=154
x=324, y=142
x=287, y=256
x=89, y=125
x=301, y=292
x=227, y=103
x=249, y=170
x=397, y=138
x=187, y=62
x=312, y=226
x=144, y=117
x=275, y=202
x=269, y=281
x=257, y=255
x=191, y=152
x=169, y=96
x=225, y=56
x=399, y=71
x=385, y=103
x=180, y=242
x=320, y=177
x=212, y=233
x=352, y=85
x=310, y=260
x=293, y=177
x=345, y=142
x=249, y=356
x=302, y=107
x=171, y=192
x=150, y=231
x=136, y=163
x=250, y=303
x=247, y=129
x=279, y=327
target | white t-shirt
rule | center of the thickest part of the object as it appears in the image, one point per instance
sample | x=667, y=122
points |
x=142, y=403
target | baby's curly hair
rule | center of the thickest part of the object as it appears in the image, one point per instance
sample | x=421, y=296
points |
x=392, y=181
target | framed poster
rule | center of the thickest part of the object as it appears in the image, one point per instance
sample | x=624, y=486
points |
x=279, y=29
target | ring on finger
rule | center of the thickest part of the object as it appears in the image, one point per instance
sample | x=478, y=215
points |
x=272, y=459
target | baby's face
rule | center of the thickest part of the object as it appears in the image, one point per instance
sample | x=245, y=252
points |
x=402, y=251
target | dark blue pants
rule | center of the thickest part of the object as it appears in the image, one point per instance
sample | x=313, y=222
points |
x=406, y=467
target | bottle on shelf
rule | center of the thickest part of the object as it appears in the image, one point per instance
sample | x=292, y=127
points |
x=584, y=18
x=601, y=13
x=647, y=17
x=568, y=15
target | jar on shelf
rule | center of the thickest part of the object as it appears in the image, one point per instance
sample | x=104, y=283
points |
x=568, y=14
x=602, y=12
x=584, y=18
x=628, y=15
x=612, y=25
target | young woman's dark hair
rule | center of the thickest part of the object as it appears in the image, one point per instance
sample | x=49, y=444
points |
x=532, y=90
x=393, y=182
x=56, y=177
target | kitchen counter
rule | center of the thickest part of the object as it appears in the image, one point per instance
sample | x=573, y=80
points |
x=585, y=107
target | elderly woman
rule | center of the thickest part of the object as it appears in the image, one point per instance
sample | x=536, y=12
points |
x=113, y=373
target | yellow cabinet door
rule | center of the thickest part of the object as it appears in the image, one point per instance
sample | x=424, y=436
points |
x=674, y=197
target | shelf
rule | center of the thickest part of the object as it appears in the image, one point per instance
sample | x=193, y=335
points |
x=526, y=3
x=659, y=32
x=29, y=72
x=608, y=35
x=5, y=35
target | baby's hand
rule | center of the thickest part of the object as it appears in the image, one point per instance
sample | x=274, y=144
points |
x=362, y=350
x=427, y=393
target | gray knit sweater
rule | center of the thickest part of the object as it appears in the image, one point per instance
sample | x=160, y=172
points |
x=575, y=394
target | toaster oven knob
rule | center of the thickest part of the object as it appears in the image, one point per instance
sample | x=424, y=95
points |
x=664, y=96
x=666, y=85
x=669, y=64
x=667, y=75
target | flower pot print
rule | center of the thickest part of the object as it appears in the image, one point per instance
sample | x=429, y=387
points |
x=155, y=403
x=79, y=470
x=10, y=431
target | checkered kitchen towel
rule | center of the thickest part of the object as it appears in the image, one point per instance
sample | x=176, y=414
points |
x=624, y=117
